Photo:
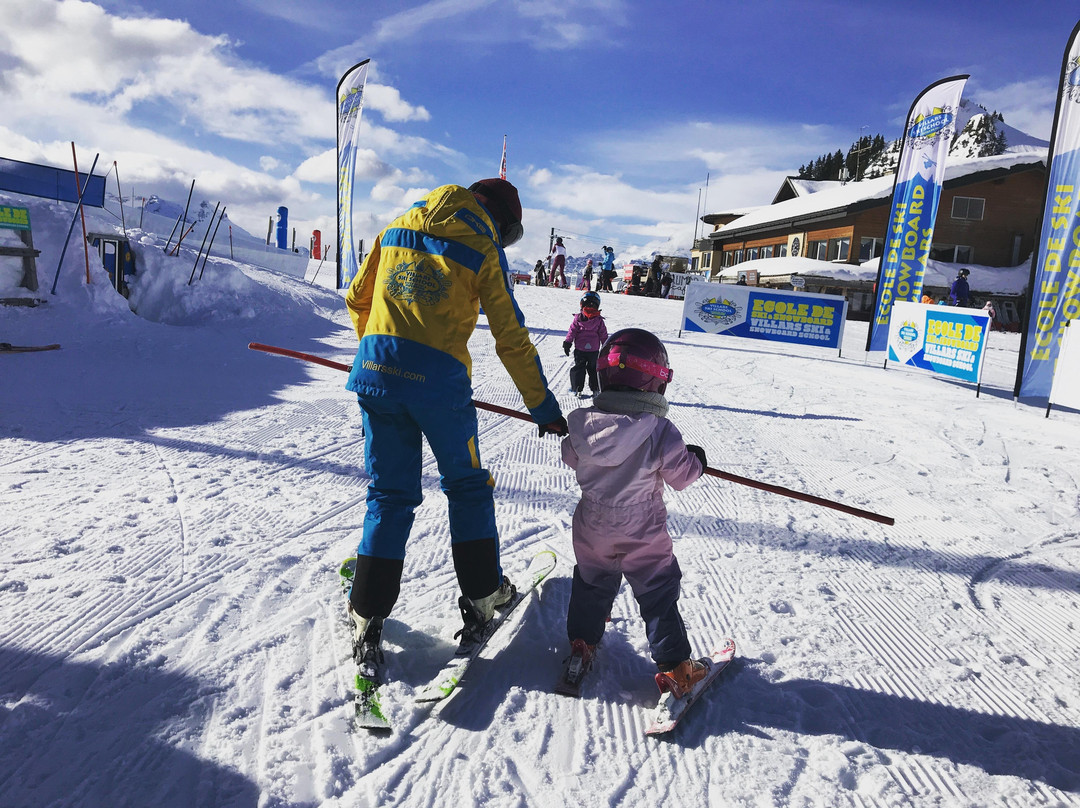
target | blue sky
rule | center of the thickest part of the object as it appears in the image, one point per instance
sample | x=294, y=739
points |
x=616, y=111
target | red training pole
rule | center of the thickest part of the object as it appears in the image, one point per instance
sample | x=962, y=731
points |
x=82, y=213
x=723, y=475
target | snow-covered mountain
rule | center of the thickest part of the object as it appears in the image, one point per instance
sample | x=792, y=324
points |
x=980, y=133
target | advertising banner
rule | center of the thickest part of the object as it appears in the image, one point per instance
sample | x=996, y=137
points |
x=931, y=124
x=766, y=314
x=350, y=102
x=13, y=218
x=1055, y=265
x=942, y=339
x=1066, y=390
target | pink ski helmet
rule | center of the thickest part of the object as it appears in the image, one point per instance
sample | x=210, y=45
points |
x=633, y=359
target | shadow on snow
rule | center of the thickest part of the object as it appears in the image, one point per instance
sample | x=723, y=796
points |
x=79, y=734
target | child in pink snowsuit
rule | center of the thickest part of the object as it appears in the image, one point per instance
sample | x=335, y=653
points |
x=624, y=450
x=586, y=334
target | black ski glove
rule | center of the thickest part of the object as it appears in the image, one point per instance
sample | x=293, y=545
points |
x=566, y=347
x=555, y=428
x=699, y=453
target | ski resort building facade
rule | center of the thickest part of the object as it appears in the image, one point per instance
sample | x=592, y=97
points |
x=988, y=215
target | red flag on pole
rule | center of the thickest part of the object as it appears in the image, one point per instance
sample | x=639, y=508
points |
x=502, y=166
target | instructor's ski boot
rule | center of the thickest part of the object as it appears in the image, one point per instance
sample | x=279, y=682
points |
x=476, y=614
x=680, y=679
x=367, y=644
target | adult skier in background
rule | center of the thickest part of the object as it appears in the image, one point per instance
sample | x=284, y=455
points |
x=558, y=264
x=960, y=292
x=623, y=450
x=414, y=304
x=607, y=270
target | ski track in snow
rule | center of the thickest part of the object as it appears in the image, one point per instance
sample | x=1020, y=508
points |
x=177, y=583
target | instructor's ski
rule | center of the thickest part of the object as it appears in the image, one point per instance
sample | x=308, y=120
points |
x=370, y=667
x=448, y=678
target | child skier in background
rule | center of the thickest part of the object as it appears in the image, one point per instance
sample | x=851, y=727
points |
x=624, y=450
x=587, y=333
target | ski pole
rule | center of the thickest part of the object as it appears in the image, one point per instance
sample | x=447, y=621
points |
x=723, y=475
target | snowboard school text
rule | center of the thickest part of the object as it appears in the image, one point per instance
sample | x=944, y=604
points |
x=812, y=322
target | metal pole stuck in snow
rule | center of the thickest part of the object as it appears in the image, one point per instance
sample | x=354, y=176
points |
x=120, y=193
x=203, y=245
x=74, y=216
x=723, y=475
x=82, y=213
x=212, y=237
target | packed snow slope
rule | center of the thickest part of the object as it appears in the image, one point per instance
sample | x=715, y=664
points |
x=174, y=507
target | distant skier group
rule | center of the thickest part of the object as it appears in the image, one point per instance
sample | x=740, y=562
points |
x=556, y=275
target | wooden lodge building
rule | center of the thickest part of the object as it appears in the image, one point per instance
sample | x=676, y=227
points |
x=988, y=215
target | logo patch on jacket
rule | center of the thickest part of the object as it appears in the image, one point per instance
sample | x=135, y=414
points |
x=417, y=282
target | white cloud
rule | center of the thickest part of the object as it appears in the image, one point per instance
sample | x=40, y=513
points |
x=583, y=190
x=121, y=66
x=541, y=24
x=1026, y=105
x=389, y=103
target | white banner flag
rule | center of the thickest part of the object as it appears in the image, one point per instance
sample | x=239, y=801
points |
x=1055, y=266
x=350, y=102
x=931, y=124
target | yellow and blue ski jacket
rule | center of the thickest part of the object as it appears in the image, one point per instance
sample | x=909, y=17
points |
x=415, y=301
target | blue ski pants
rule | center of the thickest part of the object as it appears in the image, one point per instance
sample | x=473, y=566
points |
x=393, y=456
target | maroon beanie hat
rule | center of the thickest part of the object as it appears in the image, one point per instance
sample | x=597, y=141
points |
x=499, y=196
x=501, y=200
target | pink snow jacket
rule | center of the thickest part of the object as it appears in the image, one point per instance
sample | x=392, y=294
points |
x=622, y=461
x=625, y=459
x=587, y=333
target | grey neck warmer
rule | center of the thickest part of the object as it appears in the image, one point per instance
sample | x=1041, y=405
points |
x=631, y=402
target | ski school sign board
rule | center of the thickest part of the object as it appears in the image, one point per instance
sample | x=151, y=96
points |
x=755, y=313
x=942, y=339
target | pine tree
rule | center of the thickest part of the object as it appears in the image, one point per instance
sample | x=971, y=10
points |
x=831, y=166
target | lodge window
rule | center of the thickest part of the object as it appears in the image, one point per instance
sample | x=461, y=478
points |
x=738, y=256
x=781, y=251
x=751, y=254
x=693, y=263
x=870, y=248
x=968, y=207
x=818, y=250
x=838, y=249
x=707, y=260
x=766, y=252
x=952, y=253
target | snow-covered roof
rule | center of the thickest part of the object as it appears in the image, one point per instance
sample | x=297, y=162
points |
x=844, y=196
x=983, y=279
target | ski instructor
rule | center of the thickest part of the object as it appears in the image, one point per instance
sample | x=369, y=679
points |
x=414, y=303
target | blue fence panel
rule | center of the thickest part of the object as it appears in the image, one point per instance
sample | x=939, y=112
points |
x=50, y=183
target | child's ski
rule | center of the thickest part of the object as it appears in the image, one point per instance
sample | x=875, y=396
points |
x=670, y=710
x=448, y=678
